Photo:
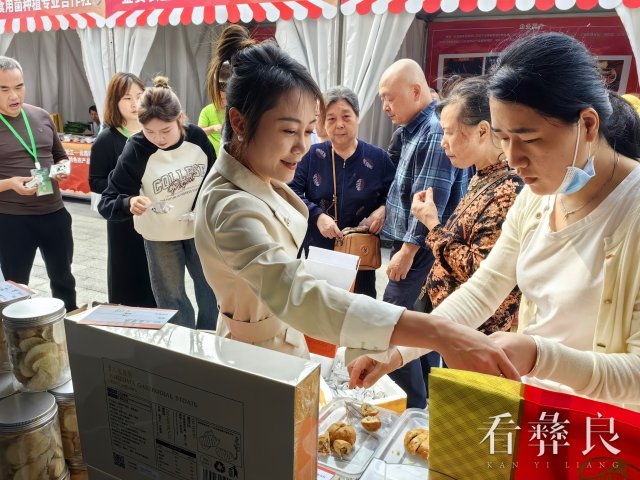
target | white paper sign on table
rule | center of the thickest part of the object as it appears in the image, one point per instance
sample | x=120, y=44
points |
x=10, y=292
x=337, y=268
x=324, y=473
x=133, y=317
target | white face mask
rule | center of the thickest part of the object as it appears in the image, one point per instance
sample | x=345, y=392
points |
x=576, y=178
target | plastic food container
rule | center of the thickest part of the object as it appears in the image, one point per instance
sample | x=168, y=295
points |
x=30, y=443
x=69, y=425
x=7, y=385
x=385, y=393
x=392, y=461
x=81, y=474
x=353, y=466
x=37, y=344
x=5, y=359
x=5, y=363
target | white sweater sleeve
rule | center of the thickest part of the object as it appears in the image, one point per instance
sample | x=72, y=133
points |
x=608, y=377
x=480, y=296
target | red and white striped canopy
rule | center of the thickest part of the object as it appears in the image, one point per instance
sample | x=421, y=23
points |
x=28, y=18
x=363, y=7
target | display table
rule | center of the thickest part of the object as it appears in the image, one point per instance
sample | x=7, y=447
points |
x=77, y=185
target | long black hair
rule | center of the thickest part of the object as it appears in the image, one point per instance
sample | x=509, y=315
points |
x=260, y=75
x=556, y=75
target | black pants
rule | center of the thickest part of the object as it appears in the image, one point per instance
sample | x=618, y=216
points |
x=366, y=283
x=22, y=235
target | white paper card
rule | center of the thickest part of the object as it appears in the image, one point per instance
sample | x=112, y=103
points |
x=133, y=317
x=324, y=474
x=63, y=168
x=337, y=268
x=10, y=292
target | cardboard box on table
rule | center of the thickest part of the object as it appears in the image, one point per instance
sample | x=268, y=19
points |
x=179, y=404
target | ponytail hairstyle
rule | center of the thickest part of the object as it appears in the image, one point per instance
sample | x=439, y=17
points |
x=159, y=102
x=260, y=75
x=118, y=87
x=217, y=78
x=556, y=75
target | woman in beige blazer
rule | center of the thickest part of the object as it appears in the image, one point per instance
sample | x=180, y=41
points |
x=250, y=226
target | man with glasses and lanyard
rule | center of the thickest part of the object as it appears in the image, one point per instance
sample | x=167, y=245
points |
x=32, y=214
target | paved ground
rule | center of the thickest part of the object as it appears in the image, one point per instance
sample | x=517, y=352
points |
x=90, y=258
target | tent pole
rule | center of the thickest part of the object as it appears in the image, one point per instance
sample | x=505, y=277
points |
x=111, y=51
x=340, y=47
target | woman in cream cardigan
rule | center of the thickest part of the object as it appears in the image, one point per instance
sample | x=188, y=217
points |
x=571, y=241
x=250, y=226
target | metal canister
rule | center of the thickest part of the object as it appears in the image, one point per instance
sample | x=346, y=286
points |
x=30, y=442
x=69, y=425
x=34, y=330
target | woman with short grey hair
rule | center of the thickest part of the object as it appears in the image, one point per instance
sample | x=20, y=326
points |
x=363, y=176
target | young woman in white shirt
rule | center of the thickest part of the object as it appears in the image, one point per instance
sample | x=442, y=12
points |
x=571, y=241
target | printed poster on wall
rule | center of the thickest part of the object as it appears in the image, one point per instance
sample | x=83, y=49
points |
x=472, y=47
x=77, y=185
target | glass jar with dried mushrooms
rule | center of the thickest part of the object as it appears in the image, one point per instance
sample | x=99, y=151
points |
x=34, y=329
x=69, y=425
x=30, y=442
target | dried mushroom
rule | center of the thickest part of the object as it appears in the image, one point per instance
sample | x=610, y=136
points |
x=39, y=356
x=4, y=352
x=69, y=432
x=371, y=424
x=342, y=431
x=368, y=410
x=416, y=442
x=340, y=436
x=342, y=448
x=36, y=454
x=324, y=445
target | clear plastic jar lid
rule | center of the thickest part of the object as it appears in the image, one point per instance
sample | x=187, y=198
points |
x=63, y=392
x=7, y=385
x=33, y=312
x=25, y=411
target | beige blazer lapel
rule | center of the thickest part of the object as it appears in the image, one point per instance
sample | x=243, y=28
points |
x=287, y=207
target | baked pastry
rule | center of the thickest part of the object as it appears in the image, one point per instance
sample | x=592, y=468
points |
x=368, y=410
x=324, y=445
x=342, y=448
x=371, y=424
x=416, y=442
x=342, y=431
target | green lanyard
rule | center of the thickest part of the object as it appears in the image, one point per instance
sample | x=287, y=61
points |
x=32, y=151
x=125, y=132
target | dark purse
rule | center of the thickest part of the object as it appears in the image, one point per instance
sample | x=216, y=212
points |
x=356, y=240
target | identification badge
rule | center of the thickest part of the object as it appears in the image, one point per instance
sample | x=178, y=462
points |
x=44, y=182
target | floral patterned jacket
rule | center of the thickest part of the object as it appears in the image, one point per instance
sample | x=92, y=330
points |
x=468, y=237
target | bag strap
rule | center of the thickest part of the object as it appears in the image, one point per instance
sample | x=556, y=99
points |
x=483, y=189
x=335, y=191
